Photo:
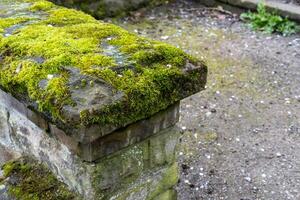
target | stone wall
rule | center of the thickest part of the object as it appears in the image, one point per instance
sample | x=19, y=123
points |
x=292, y=11
x=108, y=8
x=141, y=171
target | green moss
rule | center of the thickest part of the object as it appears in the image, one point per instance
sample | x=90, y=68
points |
x=155, y=90
x=168, y=195
x=169, y=180
x=41, y=5
x=210, y=137
x=68, y=37
x=8, y=22
x=34, y=182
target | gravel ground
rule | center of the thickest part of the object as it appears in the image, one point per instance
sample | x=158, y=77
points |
x=241, y=136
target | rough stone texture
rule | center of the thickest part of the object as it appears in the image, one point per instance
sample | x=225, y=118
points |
x=104, y=8
x=5, y=156
x=64, y=112
x=152, y=161
x=287, y=10
x=129, y=135
x=245, y=125
x=90, y=103
x=97, y=147
x=20, y=134
x=26, y=178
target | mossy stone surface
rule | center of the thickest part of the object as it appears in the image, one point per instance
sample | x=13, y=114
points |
x=120, y=172
x=26, y=179
x=79, y=72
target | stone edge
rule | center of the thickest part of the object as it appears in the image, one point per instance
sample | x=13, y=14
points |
x=100, y=146
x=286, y=10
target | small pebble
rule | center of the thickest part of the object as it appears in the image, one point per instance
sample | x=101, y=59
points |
x=208, y=114
x=278, y=154
x=164, y=37
x=248, y=179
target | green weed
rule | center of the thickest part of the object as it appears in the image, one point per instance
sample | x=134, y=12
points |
x=269, y=22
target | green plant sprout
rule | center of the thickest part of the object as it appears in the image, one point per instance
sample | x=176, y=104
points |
x=269, y=22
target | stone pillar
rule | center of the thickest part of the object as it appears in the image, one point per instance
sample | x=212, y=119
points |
x=96, y=104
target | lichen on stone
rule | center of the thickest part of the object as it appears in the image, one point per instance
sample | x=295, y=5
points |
x=27, y=179
x=153, y=77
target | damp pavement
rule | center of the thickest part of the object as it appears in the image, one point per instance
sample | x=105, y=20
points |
x=241, y=136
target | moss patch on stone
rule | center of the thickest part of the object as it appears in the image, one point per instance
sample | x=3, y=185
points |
x=41, y=5
x=29, y=180
x=169, y=179
x=8, y=22
x=70, y=38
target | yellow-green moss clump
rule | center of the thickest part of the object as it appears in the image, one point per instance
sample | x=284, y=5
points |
x=69, y=38
x=29, y=180
x=8, y=22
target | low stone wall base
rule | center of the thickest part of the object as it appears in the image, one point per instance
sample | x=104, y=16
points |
x=146, y=170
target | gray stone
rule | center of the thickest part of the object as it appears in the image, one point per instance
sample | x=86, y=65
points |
x=94, y=147
x=102, y=8
x=95, y=114
x=129, y=135
x=4, y=193
x=105, y=177
x=286, y=10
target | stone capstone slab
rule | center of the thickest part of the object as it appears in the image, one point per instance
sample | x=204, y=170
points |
x=91, y=150
x=86, y=81
x=291, y=11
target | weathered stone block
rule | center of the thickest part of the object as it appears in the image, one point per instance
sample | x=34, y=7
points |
x=87, y=82
x=129, y=135
x=104, y=8
x=74, y=89
x=151, y=186
x=108, y=176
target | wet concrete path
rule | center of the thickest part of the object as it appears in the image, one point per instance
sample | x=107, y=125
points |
x=242, y=135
